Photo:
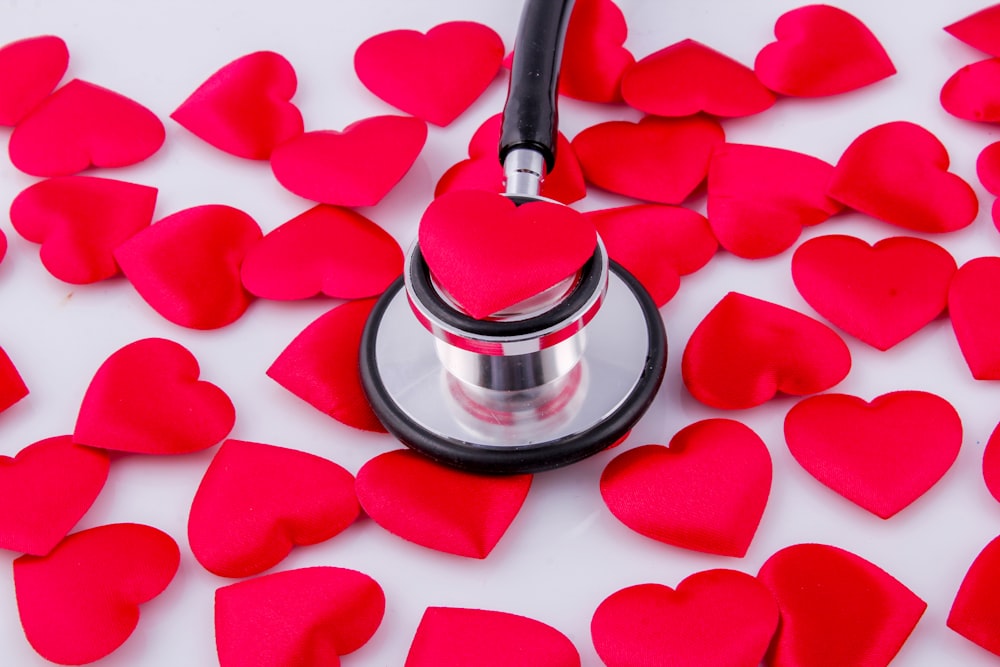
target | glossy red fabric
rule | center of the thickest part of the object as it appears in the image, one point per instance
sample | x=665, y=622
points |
x=30, y=69
x=12, y=387
x=975, y=613
x=974, y=309
x=594, y=55
x=980, y=30
x=991, y=463
x=970, y=93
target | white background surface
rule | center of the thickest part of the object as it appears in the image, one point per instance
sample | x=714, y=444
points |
x=565, y=552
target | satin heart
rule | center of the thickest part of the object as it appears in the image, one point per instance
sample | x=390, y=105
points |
x=326, y=250
x=898, y=173
x=660, y=160
x=688, y=77
x=310, y=616
x=716, y=618
x=969, y=92
x=437, y=507
x=747, y=350
x=980, y=30
x=435, y=76
x=988, y=168
x=80, y=220
x=974, y=309
x=881, y=454
x=881, y=294
x=656, y=244
x=320, y=366
x=146, y=398
x=324, y=166
x=256, y=502
x=760, y=198
x=81, y=601
x=837, y=609
x=975, y=613
x=47, y=487
x=510, y=254
x=30, y=69
x=83, y=125
x=12, y=387
x=483, y=171
x=821, y=50
x=452, y=636
x=991, y=463
x=706, y=492
x=3, y=245
x=187, y=265
x=244, y=108
x=594, y=57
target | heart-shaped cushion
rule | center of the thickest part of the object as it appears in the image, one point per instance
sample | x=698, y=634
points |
x=320, y=366
x=82, y=125
x=706, y=491
x=325, y=250
x=658, y=160
x=485, y=638
x=244, y=108
x=881, y=454
x=47, y=487
x=256, y=502
x=760, y=198
x=12, y=387
x=30, y=69
x=324, y=166
x=187, y=265
x=688, y=77
x=657, y=244
x=970, y=93
x=81, y=601
x=975, y=613
x=746, y=350
x=716, y=618
x=439, y=508
x=80, y=220
x=309, y=616
x=821, y=50
x=881, y=294
x=146, y=398
x=594, y=56
x=974, y=310
x=991, y=463
x=980, y=30
x=489, y=254
x=898, y=172
x=435, y=76
x=837, y=609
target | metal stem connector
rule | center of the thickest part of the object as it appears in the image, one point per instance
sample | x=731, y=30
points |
x=523, y=171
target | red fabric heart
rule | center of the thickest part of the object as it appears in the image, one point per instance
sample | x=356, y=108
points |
x=594, y=58
x=437, y=507
x=310, y=616
x=30, y=69
x=147, y=398
x=83, y=125
x=821, y=50
x=716, y=618
x=80, y=220
x=257, y=501
x=244, y=108
x=688, y=77
x=452, y=636
x=975, y=613
x=970, y=92
x=3, y=245
x=510, y=254
x=881, y=294
x=12, y=387
x=47, y=488
x=747, y=350
x=660, y=160
x=435, y=76
x=980, y=30
x=81, y=601
x=974, y=309
x=760, y=198
x=988, y=168
x=705, y=492
x=323, y=166
x=483, y=171
x=656, y=244
x=320, y=366
x=991, y=463
x=898, y=172
x=187, y=265
x=326, y=250
x=836, y=609
x=881, y=454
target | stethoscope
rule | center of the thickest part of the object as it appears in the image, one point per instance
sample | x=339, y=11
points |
x=547, y=383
